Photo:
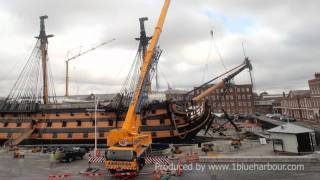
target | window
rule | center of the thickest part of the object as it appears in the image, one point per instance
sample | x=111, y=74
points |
x=243, y=96
x=231, y=97
x=69, y=135
x=111, y=122
x=78, y=123
x=143, y=121
x=93, y=123
x=85, y=135
x=40, y=135
x=18, y=124
x=101, y=134
x=64, y=123
x=248, y=89
x=161, y=121
x=239, y=96
x=277, y=141
x=2, y=115
x=87, y=113
x=72, y=114
x=49, y=124
x=54, y=135
x=153, y=134
x=57, y=114
x=5, y=124
x=9, y=135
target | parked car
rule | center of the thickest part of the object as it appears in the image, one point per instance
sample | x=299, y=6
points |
x=287, y=119
x=70, y=154
x=274, y=116
x=269, y=115
x=258, y=114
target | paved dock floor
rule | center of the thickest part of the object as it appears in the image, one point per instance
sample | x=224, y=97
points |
x=35, y=166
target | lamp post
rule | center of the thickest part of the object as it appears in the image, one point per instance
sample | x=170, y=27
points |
x=96, y=102
x=95, y=124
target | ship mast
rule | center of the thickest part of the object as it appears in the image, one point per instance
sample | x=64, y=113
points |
x=43, y=37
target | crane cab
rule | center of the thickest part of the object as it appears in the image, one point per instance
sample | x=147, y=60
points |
x=129, y=158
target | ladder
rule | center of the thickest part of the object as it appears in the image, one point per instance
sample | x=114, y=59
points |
x=19, y=139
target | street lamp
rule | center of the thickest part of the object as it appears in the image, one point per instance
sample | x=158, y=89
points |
x=96, y=102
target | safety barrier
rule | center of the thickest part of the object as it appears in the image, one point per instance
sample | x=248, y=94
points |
x=156, y=160
x=125, y=175
x=96, y=158
x=91, y=175
x=66, y=176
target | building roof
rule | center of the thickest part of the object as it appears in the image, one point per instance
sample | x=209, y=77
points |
x=294, y=93
x=175, y=91
x=290, y=128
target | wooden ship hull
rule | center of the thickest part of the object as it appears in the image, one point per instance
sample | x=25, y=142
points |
x=53, y=126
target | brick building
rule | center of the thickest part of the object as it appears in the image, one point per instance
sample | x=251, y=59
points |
x=268, y=103
x=314, y=85
x=304, y=104
x=238, y=100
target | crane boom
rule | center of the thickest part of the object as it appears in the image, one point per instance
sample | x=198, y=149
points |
x=221, y=84
x=131, y=117
x=91, y=49
x=127, y=144
x=78, y=55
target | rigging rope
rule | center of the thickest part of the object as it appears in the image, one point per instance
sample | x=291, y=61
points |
x=27, y=90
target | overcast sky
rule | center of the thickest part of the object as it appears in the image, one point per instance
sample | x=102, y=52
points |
x=281, y=38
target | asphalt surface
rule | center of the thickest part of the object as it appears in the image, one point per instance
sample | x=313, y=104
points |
x=37, y=167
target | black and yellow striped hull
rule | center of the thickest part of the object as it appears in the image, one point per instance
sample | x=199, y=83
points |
x=76, y=126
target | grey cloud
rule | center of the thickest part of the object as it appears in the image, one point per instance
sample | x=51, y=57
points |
x=294, y=22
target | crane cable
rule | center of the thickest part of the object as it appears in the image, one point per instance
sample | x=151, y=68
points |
x=206, y=66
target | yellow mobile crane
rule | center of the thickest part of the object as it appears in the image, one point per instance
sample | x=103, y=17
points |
x=127, y=146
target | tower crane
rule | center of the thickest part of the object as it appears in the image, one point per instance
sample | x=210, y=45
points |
x=127, y=146
x=78, y=55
